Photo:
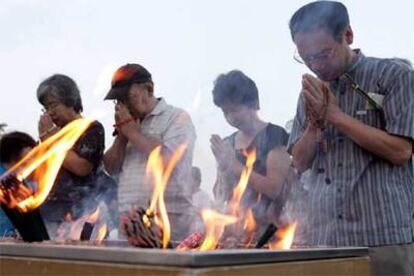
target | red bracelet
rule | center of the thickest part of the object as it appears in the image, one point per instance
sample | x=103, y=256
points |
x=120, y=124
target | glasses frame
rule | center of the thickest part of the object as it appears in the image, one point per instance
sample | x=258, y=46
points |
x=318, y=57
x=50, y=107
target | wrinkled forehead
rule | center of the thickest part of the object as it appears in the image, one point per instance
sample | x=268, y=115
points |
x=314, y=41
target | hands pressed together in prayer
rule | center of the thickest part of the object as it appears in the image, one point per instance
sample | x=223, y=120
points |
x=125, y=124
x=320, y=102
x=223, y=153
x=46, y=127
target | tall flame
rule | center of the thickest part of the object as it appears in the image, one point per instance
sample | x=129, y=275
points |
x=215, y=222
x=160, y=174
x=45, y=160
x=284, y=237
x=234, y=204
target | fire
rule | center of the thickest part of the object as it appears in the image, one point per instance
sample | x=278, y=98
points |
x=160, y=174
x=76, y=226
x=72, y=229
x=234, y=204
x=45, y=160
x=103, y=229
x=215, y=223
x=284, y=237
x=93, y=218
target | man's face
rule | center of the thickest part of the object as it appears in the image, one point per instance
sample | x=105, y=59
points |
x=323, y=55
x=138, y=101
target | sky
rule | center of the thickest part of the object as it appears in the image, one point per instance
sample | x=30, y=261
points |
x=184, y=44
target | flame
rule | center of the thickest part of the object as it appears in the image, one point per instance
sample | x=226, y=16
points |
x=76, y=227
x=234, y=204
x=160, y=174
x=103, y=229
x=215, y=223
x=284, y=237
x=93, y=217
x=250, y=222
x=45, y=160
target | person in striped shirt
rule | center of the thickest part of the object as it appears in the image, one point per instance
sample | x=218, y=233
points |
x=354, y=131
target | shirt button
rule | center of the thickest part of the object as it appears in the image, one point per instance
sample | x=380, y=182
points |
x=321, y=170
x=340, y=216
x=339, y=190
x=327, y=181
x=341, y=140
x=340, y=165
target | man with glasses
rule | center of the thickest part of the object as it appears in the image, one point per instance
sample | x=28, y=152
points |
x=354, y=130
x=144, y=122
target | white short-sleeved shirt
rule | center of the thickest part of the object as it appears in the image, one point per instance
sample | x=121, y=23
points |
x=173, y=127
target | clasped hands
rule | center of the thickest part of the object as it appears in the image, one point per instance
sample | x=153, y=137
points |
x=320, y=102
x=224, y=154
x=125, y=123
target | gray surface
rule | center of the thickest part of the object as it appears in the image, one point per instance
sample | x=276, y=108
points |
x=132, y=255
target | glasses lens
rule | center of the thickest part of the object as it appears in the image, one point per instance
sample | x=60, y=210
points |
x=297, y=57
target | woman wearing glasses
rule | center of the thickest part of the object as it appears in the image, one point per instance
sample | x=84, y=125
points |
x=76, y=181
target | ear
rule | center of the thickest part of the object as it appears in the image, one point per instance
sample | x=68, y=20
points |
x=349, y=35
x=150, y=88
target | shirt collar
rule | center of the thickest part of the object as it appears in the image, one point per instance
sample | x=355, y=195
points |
x=159, y=108
x=357, y=61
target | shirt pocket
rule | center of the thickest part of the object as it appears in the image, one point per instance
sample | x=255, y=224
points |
x=371, y=117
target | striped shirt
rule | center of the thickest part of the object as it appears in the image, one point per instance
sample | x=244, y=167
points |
x=357, y=198
x=173, y=127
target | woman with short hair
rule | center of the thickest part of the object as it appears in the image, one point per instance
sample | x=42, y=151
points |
x=76, y=182
x=237, y=96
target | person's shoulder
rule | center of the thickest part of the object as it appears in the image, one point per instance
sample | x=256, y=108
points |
x=390, y=66
x=177, y=113
x=277, y=134
x=96, y=126
x=276, y=130
x=95, y=129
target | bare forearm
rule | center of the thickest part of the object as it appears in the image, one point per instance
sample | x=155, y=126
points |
x=143, y=143
x=303, y=152
x=396, y=150
x=114, y=156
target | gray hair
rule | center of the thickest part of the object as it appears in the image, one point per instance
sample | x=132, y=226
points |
x=64, y=88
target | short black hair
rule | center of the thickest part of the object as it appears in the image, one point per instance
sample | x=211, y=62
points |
x=237, y=88
x=62, y=87
x=330, y=16
x=12, y=144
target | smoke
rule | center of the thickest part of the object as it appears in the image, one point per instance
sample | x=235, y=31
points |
x=99, y=195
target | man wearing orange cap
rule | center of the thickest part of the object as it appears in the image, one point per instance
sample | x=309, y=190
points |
x=144, y=122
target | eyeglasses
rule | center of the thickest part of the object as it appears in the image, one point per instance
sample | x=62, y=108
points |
x=50, y=107
x=322, y=56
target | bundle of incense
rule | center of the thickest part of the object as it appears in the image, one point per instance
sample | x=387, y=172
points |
x=140, y=229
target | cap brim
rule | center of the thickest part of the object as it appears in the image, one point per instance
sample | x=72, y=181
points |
x=116, y=93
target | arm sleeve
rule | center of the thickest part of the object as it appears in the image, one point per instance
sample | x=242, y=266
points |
x=399, y=106
x=299, y=124
x=90, y=146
